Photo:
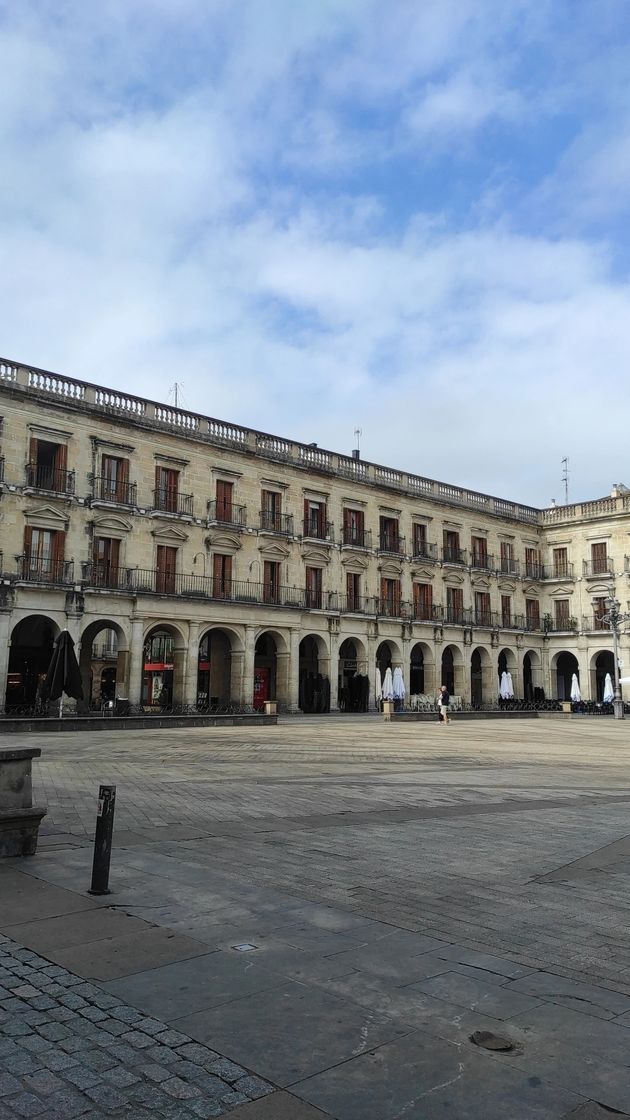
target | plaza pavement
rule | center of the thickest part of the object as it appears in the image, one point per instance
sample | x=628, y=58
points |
x=311, y=920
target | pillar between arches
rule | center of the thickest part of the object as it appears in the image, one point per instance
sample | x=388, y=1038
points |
x=5, y=650
x=192, y=666
x=136, y=663
x=246, y=658
x=333, y=672
x=292, y=671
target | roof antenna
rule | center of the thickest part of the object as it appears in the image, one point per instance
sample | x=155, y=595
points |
x=174, y=392
x=565, y=479
x=356, y=454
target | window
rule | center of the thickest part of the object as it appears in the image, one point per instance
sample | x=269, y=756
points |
x=271, y=581
x=483, y=616
x=390, y=597
x=599, y=559
x=43, y=554
x=454, y=604
x=166, y=489
x=451, y=550
x=479, y=547
x=106, y=557
x=314, y=588
x=561, y=611
x=224, y=494
x=271, y=513
x=599, y=610
x=47, y=465
x=354, y=527
x=507, y=556
x=222, y=576
x=166, y=565
x=315, y=519
x=423, y=601
x=389, y=539
x=353, y=591
x=420, y=540
x=506, y=610
x=532, y=563
x=113, y=485
x=532, y=614
x=560, y=563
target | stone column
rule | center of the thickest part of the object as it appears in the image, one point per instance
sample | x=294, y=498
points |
x=5, y=650
x=293, y=682
x=192, y=666
x=246, y=680
x=333, y=673
x=136, y=662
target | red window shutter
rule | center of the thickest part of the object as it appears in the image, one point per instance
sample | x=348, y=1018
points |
x=114, y=553
x=396, y=596
x=28, y=540
x=383, y=590
x=58, y=546
x=61, y=458
x=347, y=522
x=321, y=521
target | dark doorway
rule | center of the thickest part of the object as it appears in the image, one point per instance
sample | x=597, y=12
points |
x=32, y=644
x=448, y=670
x=566, y=666
x=476, y=680
x=416, y=671
x=604, y=663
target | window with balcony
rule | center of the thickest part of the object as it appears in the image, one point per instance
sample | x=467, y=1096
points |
x=479, y=552
x=105, y=562
x=271, y=581
x=315, y=523
x=561, y=614
x=560, y=559
x=271, y=516
x=224, y=499
x=506, y=610
x=314, y=588
x=533, y=567
x=599, y=559
x=508, y=563
x=389, y=536
x=43, y=558
x=166, y=489
x=112, y=485
x=390, y=597
x=532, y=614
x=354, y=527
x=353, y=591
x=599, y=610
x=419, y=539
x=166, y=568
x=47, y=467
x=483, y=614
x=423, y=601
x=451, y=552
x=454, y=604
x=222, y=575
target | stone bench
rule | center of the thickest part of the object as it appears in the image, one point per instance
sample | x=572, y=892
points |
x=19, y=818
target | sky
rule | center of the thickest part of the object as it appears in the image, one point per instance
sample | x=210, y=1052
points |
x=406, y=217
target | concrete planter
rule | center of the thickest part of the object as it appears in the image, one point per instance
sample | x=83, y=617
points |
x=271, y=707
x=566, y=705
x=388, y=709
x=19, y=818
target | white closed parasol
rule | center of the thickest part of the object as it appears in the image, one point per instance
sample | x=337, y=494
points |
x=378, y=685
x=609, y=692
x=576, y=695
x=504, y=688
x=388, y=685
x=510, y=686
x=398, y=684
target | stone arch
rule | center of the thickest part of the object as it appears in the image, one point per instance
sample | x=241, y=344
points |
x=481, y=678
x=31, y=647
x=354, y=684
x=314, y=674
x=532, y=675
x=164, y=665
x=216, y=666
x=421, y=670
x=104, y=665
x=565, y=664
x=452, y=669
x=602, y=662
x=507, y=663
x=271, y=668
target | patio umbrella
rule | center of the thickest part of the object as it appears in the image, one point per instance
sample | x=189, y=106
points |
x=388, y=685
x=510, y=685
x=504, y=687
x=378, y=685
x=63, y=673
x=576, y=695
x=398, y=684
x=609, y=692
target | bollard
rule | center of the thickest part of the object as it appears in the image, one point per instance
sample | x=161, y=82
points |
x=103, y=839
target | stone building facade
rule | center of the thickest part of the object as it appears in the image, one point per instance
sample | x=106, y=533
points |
x=200, y=563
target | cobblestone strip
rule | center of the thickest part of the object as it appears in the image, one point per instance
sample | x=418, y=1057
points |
x=69, y=1049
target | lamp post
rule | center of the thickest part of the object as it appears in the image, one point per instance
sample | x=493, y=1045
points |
x=613, y=617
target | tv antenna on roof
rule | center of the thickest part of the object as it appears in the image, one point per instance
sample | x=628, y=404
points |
x=565, y=479
x=358, y=433
x=174, y=392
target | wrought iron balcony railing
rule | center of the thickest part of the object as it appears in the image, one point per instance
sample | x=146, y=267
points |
x=561, y=570
x=534, y=569
x=323, y=531
x=488, y=619
x=153, y=581
x=226, y=513
x=559, y=625
x=508, y=566
x=391, y=543
x=453, y=555
x=482, y=560
x=424, y=550
x=603, y=567
x=169, y=501
x=357, y=538
x=49, y=478
x=532, y=622
x=273, y=522
x=427, y=612
x=393, y=608
x=458, y=616
x=111, y=490
x=594, y=622
x=353, y=604
x=42, y=569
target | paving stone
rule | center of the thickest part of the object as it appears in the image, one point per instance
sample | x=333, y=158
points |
x=226, y=1069
x=253, y=1087
x=137, y=1039
x=35, y=1043
x=179, y=1089
x=155, y=1072
x=114, y=1027
x=106, y=1096
x=27, y=1104
x=98, y=1060
x=149, y=1026
x=126, y=1014
x=53, y=1032
x=58, y=1060
x=94, y=1014
x=207, y=1110
x=8, y=1084
x=81, y=1076
x=211, y=1086
x=172, y=1038
x=119, y=1077
x=198, y=1054
x=69, y=1103
x=43, y=1081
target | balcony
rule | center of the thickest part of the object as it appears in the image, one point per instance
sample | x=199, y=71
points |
x=38, y=569
x=452, y=555
x=594, y=622
x=488, y=619
x=427, y=612
x=482, y=561
x=563, y=570
x=54, y=481
x=392, y=544
x=110, y=490
x=318, y=531
x=592, y=569
x=356, y=538
x=532, y=623
x=564, y=625
x=424, y=550
x=226, y=513
x=508, y=566
x=352, y=604
x=458, y=616
x=150, y=581
x=105, y=575
x=272, y=522
x=168, y=501
x=534, y=569
x=393, y=608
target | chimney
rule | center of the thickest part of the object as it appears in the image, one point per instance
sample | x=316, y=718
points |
x=355, y=453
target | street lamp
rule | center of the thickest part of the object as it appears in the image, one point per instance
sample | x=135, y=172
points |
x=613, y=617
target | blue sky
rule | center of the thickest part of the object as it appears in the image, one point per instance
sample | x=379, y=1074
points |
x=408, y=217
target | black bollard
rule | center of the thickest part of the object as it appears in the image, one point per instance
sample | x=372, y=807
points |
x=103, y=840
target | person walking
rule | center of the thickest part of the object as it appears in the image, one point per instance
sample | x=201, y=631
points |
x=444, y=700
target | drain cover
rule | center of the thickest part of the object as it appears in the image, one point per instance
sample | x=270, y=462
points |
x=246, y=947
x=491, y=1041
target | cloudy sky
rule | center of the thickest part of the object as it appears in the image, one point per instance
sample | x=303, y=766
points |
x=407, y=216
